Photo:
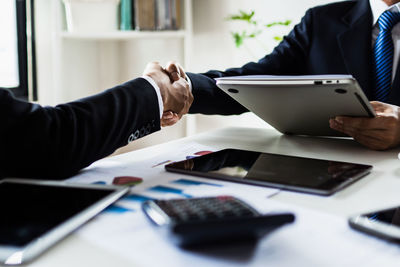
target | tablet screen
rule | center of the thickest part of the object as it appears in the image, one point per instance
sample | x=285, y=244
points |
x=301, y=174
x=30, y=210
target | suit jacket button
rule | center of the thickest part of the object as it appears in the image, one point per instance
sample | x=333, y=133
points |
x=148, y=129
x=142, y=132
x=131, y=138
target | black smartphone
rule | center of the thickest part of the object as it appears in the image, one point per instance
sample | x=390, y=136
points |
x=382, y=223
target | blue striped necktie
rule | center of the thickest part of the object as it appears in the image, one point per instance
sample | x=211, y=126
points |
x=383, y=55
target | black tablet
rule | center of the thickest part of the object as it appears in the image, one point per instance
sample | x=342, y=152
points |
x=37, y=214
x=323, y=177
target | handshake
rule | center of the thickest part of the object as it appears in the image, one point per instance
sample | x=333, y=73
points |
x=174, y=89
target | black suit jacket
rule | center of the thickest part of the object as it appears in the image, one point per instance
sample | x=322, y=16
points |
x=56, y=142
x=330, y=39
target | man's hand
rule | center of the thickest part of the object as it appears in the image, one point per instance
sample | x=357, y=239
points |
x=379, y=133
x=169, y=118
x=175, y=93
x=176, y=72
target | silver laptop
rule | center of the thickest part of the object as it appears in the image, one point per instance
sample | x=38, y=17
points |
x=300, y=105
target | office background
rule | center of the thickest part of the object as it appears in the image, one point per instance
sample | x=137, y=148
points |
x=71, y=66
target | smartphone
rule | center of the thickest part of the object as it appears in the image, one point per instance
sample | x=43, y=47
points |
x=382, y=223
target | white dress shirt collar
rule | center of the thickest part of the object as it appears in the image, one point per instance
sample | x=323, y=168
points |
x=378, y=7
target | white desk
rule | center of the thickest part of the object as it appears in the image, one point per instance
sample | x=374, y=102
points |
x=379, y=189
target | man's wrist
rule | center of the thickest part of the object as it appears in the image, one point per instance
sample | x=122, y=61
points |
x=158, y=92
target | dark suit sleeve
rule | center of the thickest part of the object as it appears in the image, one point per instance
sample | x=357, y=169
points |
x=288, y=58
x=56, y=142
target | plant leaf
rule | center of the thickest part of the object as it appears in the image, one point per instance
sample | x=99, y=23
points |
x=238, y=39
x=248, y=17
x=243, y=16
x=279, y=23
x=241, y=37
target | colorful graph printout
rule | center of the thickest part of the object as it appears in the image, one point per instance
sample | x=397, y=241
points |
x=192, y=182
x=137, y=198
x=117, y=209
x=127, y=180
x=169, y=190
x=99, y=182
x=202, y=153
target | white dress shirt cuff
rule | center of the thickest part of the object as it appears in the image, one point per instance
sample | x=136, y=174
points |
x=190, y=83
x=158, y=92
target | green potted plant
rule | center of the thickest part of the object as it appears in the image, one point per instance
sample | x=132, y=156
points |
x=254, y=28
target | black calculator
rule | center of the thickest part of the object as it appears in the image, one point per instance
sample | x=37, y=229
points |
x=221, y=219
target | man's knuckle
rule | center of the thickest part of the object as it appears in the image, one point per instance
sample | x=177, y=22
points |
x=391, y=122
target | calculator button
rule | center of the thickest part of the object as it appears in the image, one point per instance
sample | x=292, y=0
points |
x=202, y=209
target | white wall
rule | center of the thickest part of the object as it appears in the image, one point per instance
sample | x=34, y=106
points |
x=215, y=48
x=69, y=69
x=212, y=40
x=87, y=67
